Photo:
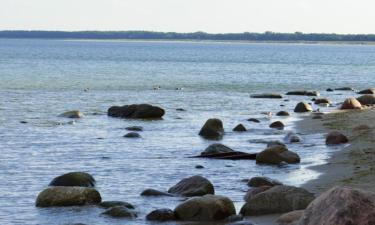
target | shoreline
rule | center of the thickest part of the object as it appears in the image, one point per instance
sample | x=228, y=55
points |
x=349, y=165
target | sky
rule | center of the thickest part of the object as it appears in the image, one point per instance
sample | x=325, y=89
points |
x=214, y=16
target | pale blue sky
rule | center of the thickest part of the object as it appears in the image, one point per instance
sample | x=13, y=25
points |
x=339, y=16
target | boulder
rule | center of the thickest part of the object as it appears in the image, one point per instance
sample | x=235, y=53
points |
x=74, y=114
x=266, y=95
x=161, y=215
x=322, y=101
x=110, y=204
x=240, y=128
x=303, y=107
x=282, y=113
x=120, y=212
x=153, y=192
x=292, y=138
x=277, y=125
x=212, y=129
x=369, y=91
x=254, y=191
x=341, y=206
x=306, y=93
x=336, y=138
x=80, y=179
x=253, y=120
x=278, y=199
x=205, y=208
x=263, y=181
x=216, y=149
x=134, y=128
x=351, y=103
x=192, y=186
x=132, y=135
x=276, y=155
x=67, y=196
x=290, y=217
x=367, y=99
x=142, y=111
x=344, y=89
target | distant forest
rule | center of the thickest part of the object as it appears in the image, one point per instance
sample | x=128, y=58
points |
x=148, y=35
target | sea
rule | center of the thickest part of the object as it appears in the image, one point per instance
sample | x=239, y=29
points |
x=40, y=79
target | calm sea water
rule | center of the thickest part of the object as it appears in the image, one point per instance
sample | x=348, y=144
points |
x=39, y=79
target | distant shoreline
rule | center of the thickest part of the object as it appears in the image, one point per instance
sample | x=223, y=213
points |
x=267, y=37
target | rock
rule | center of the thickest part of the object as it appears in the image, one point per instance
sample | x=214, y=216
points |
x=369, y=91
x=212, y=129
x=67, y=196
x=344, y=89
x=74, y=114
x=240, y=128
x=341, y=206
x=322, y=101
x=303, y=107
x=253, y=120
x=199, y=167
x=120, y=212
x=80, y=179
x=181, y=109
x=277, y=125
x=192, y=186
x=276, y=155
x=329, y=90
x=266, y=95
x=110, y=204
x=274, y=143
x=336, y=138
x=142, y=111
x=153, y=192
x=216, y=149
x=134, y=128
x=205, y=208
x=282, y=113
x=263, y=181
x=367, y=99
x=132, y=135
x=292, y=138
x=161, y=215
x=254, y=191
x=290, y=217
x=351, y=103
x=278, y=199
x=306, y=93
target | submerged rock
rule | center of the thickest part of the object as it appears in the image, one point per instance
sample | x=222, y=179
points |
x=263, y=181
x=134, y=128
x=351, y=103
x=110, y=204
x=132, y=135
x=336, y=138
x=192, y=186
x=253, y=120
x=276, y=155
x=306, y=93
x=278, y=199
x=67, y=196
x=153, y=192
x=292, y=138
x=344, y=89
x=240, y=128
x=216, y=149
x=303, y=107
x=266, y=95
x=212, y=129
x=120, y=212
x=80, y=179
x=161, y=215
x=205, y=208
x=341, y=206
x=74, y=114
x=142, y=111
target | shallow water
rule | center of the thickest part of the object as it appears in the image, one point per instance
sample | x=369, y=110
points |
x=39, y=79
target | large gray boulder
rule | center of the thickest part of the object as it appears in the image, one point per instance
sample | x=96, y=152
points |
x=212, y=129
x=277, y=154
x=192, y=186
x=141, y=111
x=67, y=196
x=278, y=199
x=341, y=206
x=205, y=208
x=80, y=179
x=216, y=149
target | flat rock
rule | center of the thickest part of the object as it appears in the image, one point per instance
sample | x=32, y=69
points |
x=153, y=192
x=132, y=135
x=216, y=149
x=134, y=128
x=305, y=93
x=266, y=95
x=141, y=111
